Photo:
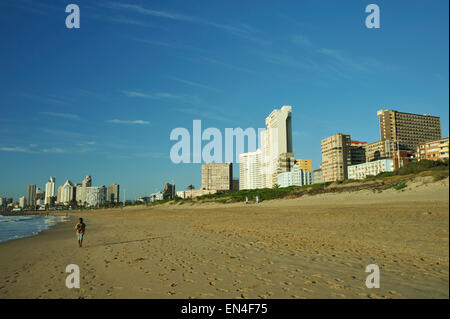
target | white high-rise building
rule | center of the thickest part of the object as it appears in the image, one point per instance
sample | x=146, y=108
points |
x=276, y=154
x=95, y=195
x=22, y=202
x=49, y=189
x=250, y=170
x=67, y=192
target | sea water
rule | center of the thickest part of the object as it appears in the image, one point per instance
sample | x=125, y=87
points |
x=18, y=226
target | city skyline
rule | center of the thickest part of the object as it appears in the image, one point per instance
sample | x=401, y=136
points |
x=86, y=115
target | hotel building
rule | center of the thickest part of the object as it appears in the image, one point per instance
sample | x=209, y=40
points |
x=361, y=171
x=67, y=192
x=408, y=129
x=113, y=193
x=276, y=146
x=31, y=195
x=217, y=176
x=336, y=157
x=95, y=195
x=49, y=190
x=250, y=170
x=433, y=150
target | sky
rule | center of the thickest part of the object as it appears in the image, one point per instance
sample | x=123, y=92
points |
x=102, y=100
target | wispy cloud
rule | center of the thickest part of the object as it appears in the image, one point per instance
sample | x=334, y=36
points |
x=62, y=115
x=240, y=30
x=61, y=132
x=180, y=98
x=192, y=83
x=54, y=150
x=138, y=122
x=16, y=149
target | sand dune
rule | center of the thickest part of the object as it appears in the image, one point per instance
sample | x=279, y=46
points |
x=310, y=247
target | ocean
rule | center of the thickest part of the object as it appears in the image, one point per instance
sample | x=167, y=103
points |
x=13, y=227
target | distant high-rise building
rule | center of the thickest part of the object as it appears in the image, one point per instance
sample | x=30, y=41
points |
x=31, y=195
x=67, y=192
x=336, y=156
x=408, y=129
x=95, y=195
x=250, y=170
x=304, y=164
x=276, y=146
x=86, y=182
x=58, y=195
x=217, y=176
x=22, y=202
x=49, y=189
x=169, y=191
x=113, y=193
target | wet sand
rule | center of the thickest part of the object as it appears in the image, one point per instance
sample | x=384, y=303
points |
x=310, y=247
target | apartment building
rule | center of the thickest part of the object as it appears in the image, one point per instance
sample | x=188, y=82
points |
x=433, y=150
x=217, y=176
x=336, y=157
x=361, y=171
x=358, y=152
x=296, y=177
x=304, y=164
x=408, y=129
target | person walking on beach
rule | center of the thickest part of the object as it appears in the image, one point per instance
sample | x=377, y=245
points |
x=80, y=228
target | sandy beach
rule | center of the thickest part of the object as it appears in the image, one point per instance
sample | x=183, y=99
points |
x=309, y=247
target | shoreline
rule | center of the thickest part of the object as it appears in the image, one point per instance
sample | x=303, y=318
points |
x=311, y=247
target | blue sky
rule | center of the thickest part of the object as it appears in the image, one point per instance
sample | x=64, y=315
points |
x=103, y=99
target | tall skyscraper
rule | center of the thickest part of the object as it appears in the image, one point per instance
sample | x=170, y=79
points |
x=22, y=202
x=408, y=129
x=31, y=195
x=67, y=192
x=276, y=145
x=113, y=193
x=49, y=189
x=275, y=155
x=217, y=176
x=86, y=182
x=336, y=156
